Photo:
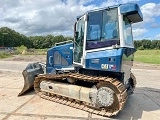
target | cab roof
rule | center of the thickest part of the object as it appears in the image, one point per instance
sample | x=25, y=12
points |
x=131, y=10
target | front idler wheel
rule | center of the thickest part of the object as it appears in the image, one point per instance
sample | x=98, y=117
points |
x=107, y=96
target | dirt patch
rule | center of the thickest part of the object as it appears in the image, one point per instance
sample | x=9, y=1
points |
x=27, y=58
x=138, y=65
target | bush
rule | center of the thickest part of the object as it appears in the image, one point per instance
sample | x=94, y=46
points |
x=141, y=48
x=37, y=52
x=20, y=49
x=4, y=55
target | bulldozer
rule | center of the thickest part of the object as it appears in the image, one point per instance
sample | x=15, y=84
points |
x=93, y=72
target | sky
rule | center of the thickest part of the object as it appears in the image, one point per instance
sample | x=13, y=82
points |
x=56, y=17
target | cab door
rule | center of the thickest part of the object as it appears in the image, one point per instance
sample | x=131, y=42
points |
x=78, y=42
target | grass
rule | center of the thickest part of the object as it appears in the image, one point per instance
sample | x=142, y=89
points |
x=24, y=51
x=4, y=55
x=37, y=52
x=148, y=56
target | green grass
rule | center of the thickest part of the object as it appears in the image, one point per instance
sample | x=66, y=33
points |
x=19, y=51
x=37, y=52
x=148, y=56
x=4, y=55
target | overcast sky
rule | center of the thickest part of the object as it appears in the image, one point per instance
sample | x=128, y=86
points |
x=42, y=17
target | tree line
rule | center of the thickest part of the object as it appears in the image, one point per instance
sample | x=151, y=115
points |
x=11, y=38
x=147, y=44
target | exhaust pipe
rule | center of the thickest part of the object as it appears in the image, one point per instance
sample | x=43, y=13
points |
x=29, y=74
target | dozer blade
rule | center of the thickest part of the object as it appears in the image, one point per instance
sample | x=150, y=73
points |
x=29, y=74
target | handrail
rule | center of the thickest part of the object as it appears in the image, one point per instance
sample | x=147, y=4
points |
x=62, y=43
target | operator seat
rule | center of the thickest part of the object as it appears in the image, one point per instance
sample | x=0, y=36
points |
x=115, y=34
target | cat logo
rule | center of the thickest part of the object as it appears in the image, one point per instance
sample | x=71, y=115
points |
x=104, y=66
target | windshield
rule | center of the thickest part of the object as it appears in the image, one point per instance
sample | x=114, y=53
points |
x=102, y=29
x=127, y=32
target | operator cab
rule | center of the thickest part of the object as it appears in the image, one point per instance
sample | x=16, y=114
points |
x=104, y=29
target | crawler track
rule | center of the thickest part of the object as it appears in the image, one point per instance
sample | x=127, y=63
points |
x=120, y=91
x=134, y=80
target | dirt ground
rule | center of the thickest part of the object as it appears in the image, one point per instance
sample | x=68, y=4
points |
x=26, y=58
x=144, y=104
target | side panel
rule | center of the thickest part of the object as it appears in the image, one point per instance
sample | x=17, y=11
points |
x=127, y=62
x=128, y=56
x=115, y=60
x=59, y=56
x=105, y=60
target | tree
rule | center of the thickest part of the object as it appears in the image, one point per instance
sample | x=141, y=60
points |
x=1, y=40
x=11, y=38
x=137, y=43
x=147, y=44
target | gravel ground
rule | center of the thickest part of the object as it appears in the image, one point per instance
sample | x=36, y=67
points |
x=144, y=104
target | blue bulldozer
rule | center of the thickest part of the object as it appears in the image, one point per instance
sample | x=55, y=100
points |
x=93, y=72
